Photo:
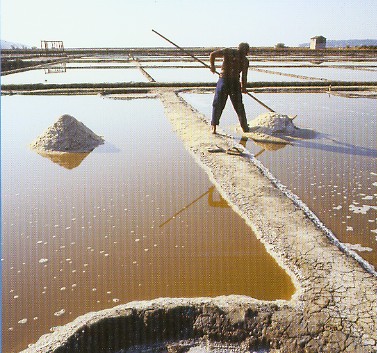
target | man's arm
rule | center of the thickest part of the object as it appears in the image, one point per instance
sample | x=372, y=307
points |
x=215, y=54
x=245, y=69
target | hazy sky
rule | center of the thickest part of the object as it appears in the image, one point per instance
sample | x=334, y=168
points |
x=128, y=23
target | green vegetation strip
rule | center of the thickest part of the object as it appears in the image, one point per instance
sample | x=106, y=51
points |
x=126, y=86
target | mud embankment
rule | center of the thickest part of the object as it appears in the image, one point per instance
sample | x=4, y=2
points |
x=333, y=310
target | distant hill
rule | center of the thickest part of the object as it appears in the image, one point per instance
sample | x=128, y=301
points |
x=11, y=45
x=346, y=43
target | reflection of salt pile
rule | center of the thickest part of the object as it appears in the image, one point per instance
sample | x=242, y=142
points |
x=67, y=135
x=273, y=123
x=66, y=160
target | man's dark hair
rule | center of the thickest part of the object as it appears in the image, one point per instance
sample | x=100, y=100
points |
x=244, y=47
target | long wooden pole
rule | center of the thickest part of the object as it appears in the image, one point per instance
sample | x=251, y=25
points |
x=206, y=65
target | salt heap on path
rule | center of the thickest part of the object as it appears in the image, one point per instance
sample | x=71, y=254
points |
x=273, y=123
x=67, y=134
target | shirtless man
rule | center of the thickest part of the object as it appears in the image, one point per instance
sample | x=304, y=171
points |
x=234, y=64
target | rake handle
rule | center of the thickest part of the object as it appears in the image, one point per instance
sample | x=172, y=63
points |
x=185, y=51
x=207, y=66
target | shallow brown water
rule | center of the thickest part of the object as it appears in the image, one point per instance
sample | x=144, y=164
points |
x=135, y=219
x=335, y=171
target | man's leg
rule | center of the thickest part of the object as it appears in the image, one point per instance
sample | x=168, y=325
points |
x=219, y=101
x=236, y=98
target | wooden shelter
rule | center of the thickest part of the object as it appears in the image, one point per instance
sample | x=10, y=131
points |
x=52, y=45
x=318, y=42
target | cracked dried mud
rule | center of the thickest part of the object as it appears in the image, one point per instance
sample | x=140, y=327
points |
x=334, y=307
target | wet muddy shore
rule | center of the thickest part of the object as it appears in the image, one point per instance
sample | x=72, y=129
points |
x=333, y=309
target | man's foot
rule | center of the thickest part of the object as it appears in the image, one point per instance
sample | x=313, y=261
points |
x=214, y=129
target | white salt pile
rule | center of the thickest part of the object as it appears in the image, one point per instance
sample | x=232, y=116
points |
x=273, y=123
x=67, y=134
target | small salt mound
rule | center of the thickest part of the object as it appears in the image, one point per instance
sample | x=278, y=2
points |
x=67, y=134
x=273, y=123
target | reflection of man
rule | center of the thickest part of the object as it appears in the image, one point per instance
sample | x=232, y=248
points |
x=234, y=64
x=211, y=202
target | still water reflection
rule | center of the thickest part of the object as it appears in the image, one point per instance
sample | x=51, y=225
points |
x=134, y=219
x=65, y=159
x=333, y=169
x=56, y=75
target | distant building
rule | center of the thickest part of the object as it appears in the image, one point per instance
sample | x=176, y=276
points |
x=52, y=45
x=318, y=42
